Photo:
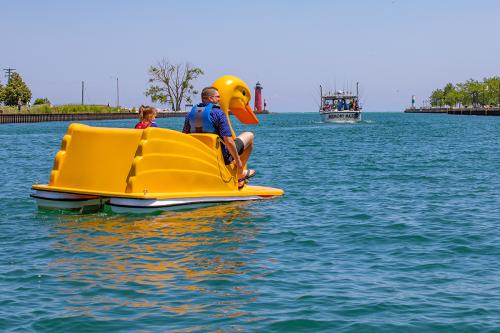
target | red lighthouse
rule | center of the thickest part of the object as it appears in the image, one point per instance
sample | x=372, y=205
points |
x=258, y=97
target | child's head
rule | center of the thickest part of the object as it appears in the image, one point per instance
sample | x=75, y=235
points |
x=147, y=113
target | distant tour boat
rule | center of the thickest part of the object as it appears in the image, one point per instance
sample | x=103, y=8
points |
x=340, y=107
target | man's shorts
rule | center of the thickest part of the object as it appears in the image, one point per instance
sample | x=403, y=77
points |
x=239, y=147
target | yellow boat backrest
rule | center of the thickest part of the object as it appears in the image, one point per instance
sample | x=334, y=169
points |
x=94, y=158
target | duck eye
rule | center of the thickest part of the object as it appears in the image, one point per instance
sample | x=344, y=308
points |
x=244, y=93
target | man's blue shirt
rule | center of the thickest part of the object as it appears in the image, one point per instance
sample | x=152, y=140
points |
x=219, y=120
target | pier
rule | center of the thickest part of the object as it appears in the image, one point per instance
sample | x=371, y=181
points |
x=44, y=117
x=472, y=111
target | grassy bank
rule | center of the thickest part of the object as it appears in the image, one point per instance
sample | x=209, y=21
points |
x=68, y=108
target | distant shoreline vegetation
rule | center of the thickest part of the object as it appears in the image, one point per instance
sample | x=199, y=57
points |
x=67, y=108
x=470, y=93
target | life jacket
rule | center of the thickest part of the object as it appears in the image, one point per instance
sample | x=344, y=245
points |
x=141, y=125
x=199, y=119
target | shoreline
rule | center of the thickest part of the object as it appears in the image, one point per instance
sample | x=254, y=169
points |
x=472, y=111
x=13, y=118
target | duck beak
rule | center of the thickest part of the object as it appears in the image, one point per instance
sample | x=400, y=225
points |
x=235, y=97
x=243, y=111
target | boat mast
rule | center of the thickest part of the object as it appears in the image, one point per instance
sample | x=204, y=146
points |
x=357, y=89
x=321, y=93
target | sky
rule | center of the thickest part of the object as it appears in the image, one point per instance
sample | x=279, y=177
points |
x=393, y=48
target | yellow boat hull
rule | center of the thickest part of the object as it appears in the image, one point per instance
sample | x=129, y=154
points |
x=149, y=169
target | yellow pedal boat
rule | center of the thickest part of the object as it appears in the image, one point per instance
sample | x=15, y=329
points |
x=133, y=170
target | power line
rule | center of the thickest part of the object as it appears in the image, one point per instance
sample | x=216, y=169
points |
x=8, y=73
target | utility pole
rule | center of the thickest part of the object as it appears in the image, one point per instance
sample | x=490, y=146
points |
x=83, y=87
x=117, y=93
x=8, y=72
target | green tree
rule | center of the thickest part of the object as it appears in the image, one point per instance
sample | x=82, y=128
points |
x=172, y=83
x=492, y=90
x=450, y=97
x=16, y=90
x=437, y=97
x=475, y=90
x=464, y=96
x=2, y=89
x=471, y=92
x=40, y=101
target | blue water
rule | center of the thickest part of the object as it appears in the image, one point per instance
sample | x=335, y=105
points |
x=390, y=225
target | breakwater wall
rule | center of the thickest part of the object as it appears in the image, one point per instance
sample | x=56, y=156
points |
x=491, y=111
x=426, y=110
x=43, y=117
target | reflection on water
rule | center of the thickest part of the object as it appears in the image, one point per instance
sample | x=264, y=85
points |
x=178, y=260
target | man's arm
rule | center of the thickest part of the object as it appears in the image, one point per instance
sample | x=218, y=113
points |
x=231, y=146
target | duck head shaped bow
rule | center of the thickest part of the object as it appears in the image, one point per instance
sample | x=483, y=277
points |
x=235, y=97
